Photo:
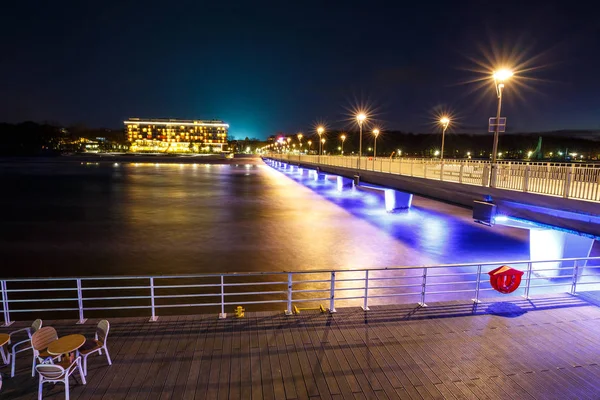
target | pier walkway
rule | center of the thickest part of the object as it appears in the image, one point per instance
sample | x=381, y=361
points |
x=547, y=347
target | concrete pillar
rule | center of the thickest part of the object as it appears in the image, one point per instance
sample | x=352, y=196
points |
x=550, y=244
x=304, y=171
x=343, y=182
x=396, y=200
x=319, y=177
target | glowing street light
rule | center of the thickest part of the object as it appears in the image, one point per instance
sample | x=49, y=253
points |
x=375, y=133
x=320, y=131
x=360, y=118
x=500, y=76
x=445, y=121
x=309, y=144
x=322, y=143
x=343, y=138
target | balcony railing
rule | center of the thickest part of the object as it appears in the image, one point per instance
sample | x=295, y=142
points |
x=149, y=295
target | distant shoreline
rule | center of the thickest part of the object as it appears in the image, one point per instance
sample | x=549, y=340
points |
x=141, y=158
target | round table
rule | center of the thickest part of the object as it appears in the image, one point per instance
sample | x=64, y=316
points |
x=4, y=338
x=66, y=345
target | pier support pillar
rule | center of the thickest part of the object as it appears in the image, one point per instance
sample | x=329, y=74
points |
x=396, y=200
x=343, y=182
x=549, y=244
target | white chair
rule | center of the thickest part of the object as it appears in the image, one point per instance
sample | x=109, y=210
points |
x=40, y=341
x=97, y=344
x=55, y=373
x=24, y=345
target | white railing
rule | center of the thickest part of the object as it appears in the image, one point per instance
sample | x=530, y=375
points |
x=362, y=287
x=575, y=181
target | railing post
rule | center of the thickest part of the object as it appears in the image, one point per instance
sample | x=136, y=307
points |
x=526, y=177
x=460, y=173
x=485, y=175
x=568, y=179
x=332, y=293
x=366, y=304
x=529, y=267
x=289, y=296
x=411, y=167
x=80, y=303
x=153, y=318
x=476, y=299
x=423, y=286
x=575, y=275
x=441, y=170
x=4, y=291
x=424, y=169
x=222, y=314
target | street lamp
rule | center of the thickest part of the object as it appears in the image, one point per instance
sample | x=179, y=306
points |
x=322, y=143
x=499, y=76
x=445, y=121
x=320, y=131
x=375, y=133
x=300, y=136
x=360, y=118
x=309, y=144
x=343, y=138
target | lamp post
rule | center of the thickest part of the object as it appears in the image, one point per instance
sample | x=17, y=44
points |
x=499, y=77
x=360, y=117
x=375, y=133
x=320, y=131
x=322, y=143
x=309, y=145
x=343, y=138
x=445, y=121
x=300, y=136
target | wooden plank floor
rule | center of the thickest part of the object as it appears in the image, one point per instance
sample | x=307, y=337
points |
x=544, y=348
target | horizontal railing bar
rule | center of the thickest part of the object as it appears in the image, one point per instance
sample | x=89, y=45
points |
x=115, y=288
x=45, y=309
x=394, y=287
x=38, y=300
x=254, y=293
x=114, y=308
x=449, y=283
x=175, y=296
x=310, y=300
x=310, y=290
x=41, y=290
x=114, y=298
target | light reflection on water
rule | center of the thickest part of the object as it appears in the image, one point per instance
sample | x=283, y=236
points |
x=71, y=219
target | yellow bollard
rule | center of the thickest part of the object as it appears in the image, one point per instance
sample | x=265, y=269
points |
x=239, y=312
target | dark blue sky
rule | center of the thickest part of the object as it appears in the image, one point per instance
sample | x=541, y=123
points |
x=282, y=66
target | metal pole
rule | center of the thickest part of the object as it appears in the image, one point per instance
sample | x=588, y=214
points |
x=154, y=318
x=366, y=305
x=575, y=274
x=495, y=147
x=375, y=150
x=529, y=267
x=289, y=296
x=359, y=143
x=476, y=299
x=423, y=286
x=80, y=303
x=332, y=293
x=442, y=155
x=222, y=315
x=4, y=291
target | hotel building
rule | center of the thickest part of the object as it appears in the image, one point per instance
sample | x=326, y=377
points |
x=176, y=135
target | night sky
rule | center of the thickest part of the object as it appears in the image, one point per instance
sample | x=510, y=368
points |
x=265, y=67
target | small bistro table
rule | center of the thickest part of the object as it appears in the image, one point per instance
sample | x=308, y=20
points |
x=4, y=338
x=66, y=345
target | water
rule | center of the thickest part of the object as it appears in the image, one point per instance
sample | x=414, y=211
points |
x=80, y=219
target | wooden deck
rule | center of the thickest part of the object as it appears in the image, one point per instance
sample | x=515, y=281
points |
x=546, y=348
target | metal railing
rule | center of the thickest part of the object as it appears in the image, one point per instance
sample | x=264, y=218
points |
x=360, y=287
x=574, y=181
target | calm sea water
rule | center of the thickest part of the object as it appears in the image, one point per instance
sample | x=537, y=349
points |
x=71, y=218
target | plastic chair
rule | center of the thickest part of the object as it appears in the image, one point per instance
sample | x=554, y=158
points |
x=55, y=373
x=97, y=344
x=40, y=341
x=24, y=345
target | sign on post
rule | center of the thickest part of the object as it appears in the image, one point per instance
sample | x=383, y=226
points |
x=499, y=122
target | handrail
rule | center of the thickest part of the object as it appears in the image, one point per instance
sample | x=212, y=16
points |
x=299, y=287
x=283, y=272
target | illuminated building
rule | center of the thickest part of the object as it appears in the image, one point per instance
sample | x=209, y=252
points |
x=176, y=135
